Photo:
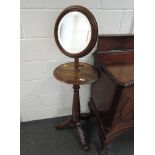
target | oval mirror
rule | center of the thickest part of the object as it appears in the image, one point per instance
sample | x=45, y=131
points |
x=76, y=31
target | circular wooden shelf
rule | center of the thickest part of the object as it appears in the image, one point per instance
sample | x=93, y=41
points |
x=66, y=73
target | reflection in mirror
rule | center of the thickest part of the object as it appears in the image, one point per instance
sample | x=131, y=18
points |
x=74, y=32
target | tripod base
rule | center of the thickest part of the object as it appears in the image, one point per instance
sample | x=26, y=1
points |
x=77, y=124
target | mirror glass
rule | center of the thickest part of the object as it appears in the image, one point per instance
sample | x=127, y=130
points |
x=74, y=32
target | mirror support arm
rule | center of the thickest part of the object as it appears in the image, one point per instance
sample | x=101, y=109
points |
x=76, y=64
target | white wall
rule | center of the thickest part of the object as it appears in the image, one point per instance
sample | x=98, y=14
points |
x=41, y=95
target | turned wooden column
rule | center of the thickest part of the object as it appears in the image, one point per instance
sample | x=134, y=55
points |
x=76, y=103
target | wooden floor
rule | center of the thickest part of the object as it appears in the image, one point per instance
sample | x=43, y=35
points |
x=41, y=138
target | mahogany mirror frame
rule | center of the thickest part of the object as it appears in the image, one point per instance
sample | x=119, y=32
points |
x=94, y=30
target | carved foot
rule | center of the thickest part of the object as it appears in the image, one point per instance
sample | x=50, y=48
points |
x=65, y=124
x=82, y=137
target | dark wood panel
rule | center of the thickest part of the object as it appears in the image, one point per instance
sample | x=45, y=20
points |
x=116, y=42
x=116, y=57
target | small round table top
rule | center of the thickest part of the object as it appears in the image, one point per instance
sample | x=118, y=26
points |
x=66, y=73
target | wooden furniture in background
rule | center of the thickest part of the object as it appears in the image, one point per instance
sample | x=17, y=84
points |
x=112, y=95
